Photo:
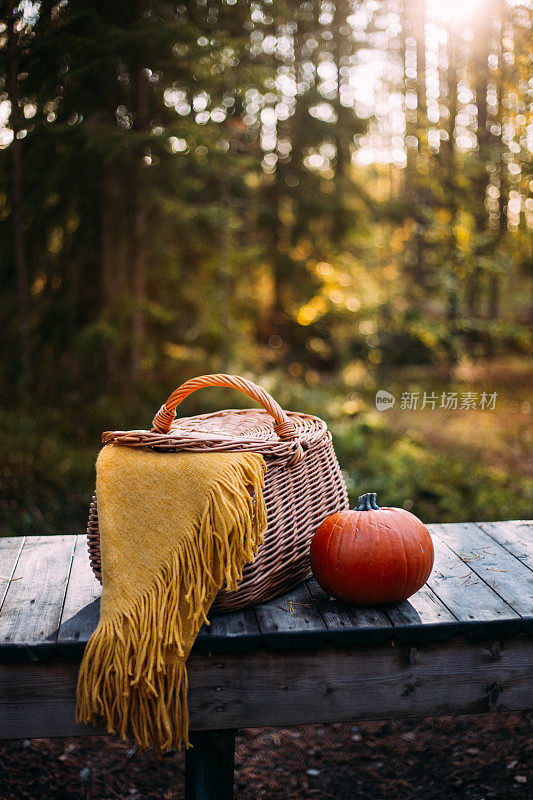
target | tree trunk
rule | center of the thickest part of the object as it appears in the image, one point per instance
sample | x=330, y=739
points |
x=224, y=288
x=19, y=248
x=139, y=225
x=108, y=266
x=278, y=319
x=482, y=49
x=138, y=270
x=413, y=27
x=273, y=320
x=409, y=11
x=451, y=187
x=419, y=31
x=342, y=50
x=494, y=283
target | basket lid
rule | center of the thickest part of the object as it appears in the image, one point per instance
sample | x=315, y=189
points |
x=272, y=432
x=250, y=429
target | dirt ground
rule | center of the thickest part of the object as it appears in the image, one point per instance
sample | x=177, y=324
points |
x=479, y=758
x=501, y=437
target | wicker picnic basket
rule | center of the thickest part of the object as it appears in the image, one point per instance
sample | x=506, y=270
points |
x=303, y=482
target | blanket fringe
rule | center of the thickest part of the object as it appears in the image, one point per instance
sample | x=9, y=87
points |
x=133, y=672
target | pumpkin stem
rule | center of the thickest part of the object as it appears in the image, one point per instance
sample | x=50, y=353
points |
x=367, y=502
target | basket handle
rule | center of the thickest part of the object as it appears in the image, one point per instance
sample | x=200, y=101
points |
x=284, y=426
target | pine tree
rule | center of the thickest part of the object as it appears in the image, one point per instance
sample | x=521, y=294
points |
x=15, y=41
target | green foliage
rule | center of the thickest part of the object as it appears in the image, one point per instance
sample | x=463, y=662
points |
x=45, y=475
x=407, y=472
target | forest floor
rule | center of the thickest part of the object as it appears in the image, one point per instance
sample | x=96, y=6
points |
x=502, y=436
x=467, y=758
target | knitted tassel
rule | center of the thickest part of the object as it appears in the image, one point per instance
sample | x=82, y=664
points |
x=133, y=672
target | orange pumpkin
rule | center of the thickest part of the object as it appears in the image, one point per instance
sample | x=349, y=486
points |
x=372, y=555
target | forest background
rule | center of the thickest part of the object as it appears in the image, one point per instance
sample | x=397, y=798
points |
x=330, y=197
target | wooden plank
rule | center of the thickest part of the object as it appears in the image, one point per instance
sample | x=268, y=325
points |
x=81, y=609
x=41, y=701
x=478, y=609
x=292, y=620
x=422, y=618
x=349, y=624
x=229, y=633
x=504, y=573
x=32, y=609
x=376, y=681
x=458, y=676
x=516, y=536
x=10, y=549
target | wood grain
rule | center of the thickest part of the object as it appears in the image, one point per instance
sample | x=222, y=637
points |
x=422, y=618
x=476, y=606
x=292, y=620
x=81, y=609
x=348, y=624
x=10, y=549
x=237, y=631
x=32, y=609
x=264, y=688
x=503, y=572
x=516, y=536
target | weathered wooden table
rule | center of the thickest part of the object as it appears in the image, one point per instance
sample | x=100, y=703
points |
x=461, y=645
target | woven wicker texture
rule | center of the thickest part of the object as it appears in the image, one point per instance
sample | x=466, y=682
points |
x=303, y=482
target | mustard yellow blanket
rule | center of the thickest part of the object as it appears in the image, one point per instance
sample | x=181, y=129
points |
x=173, y=528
